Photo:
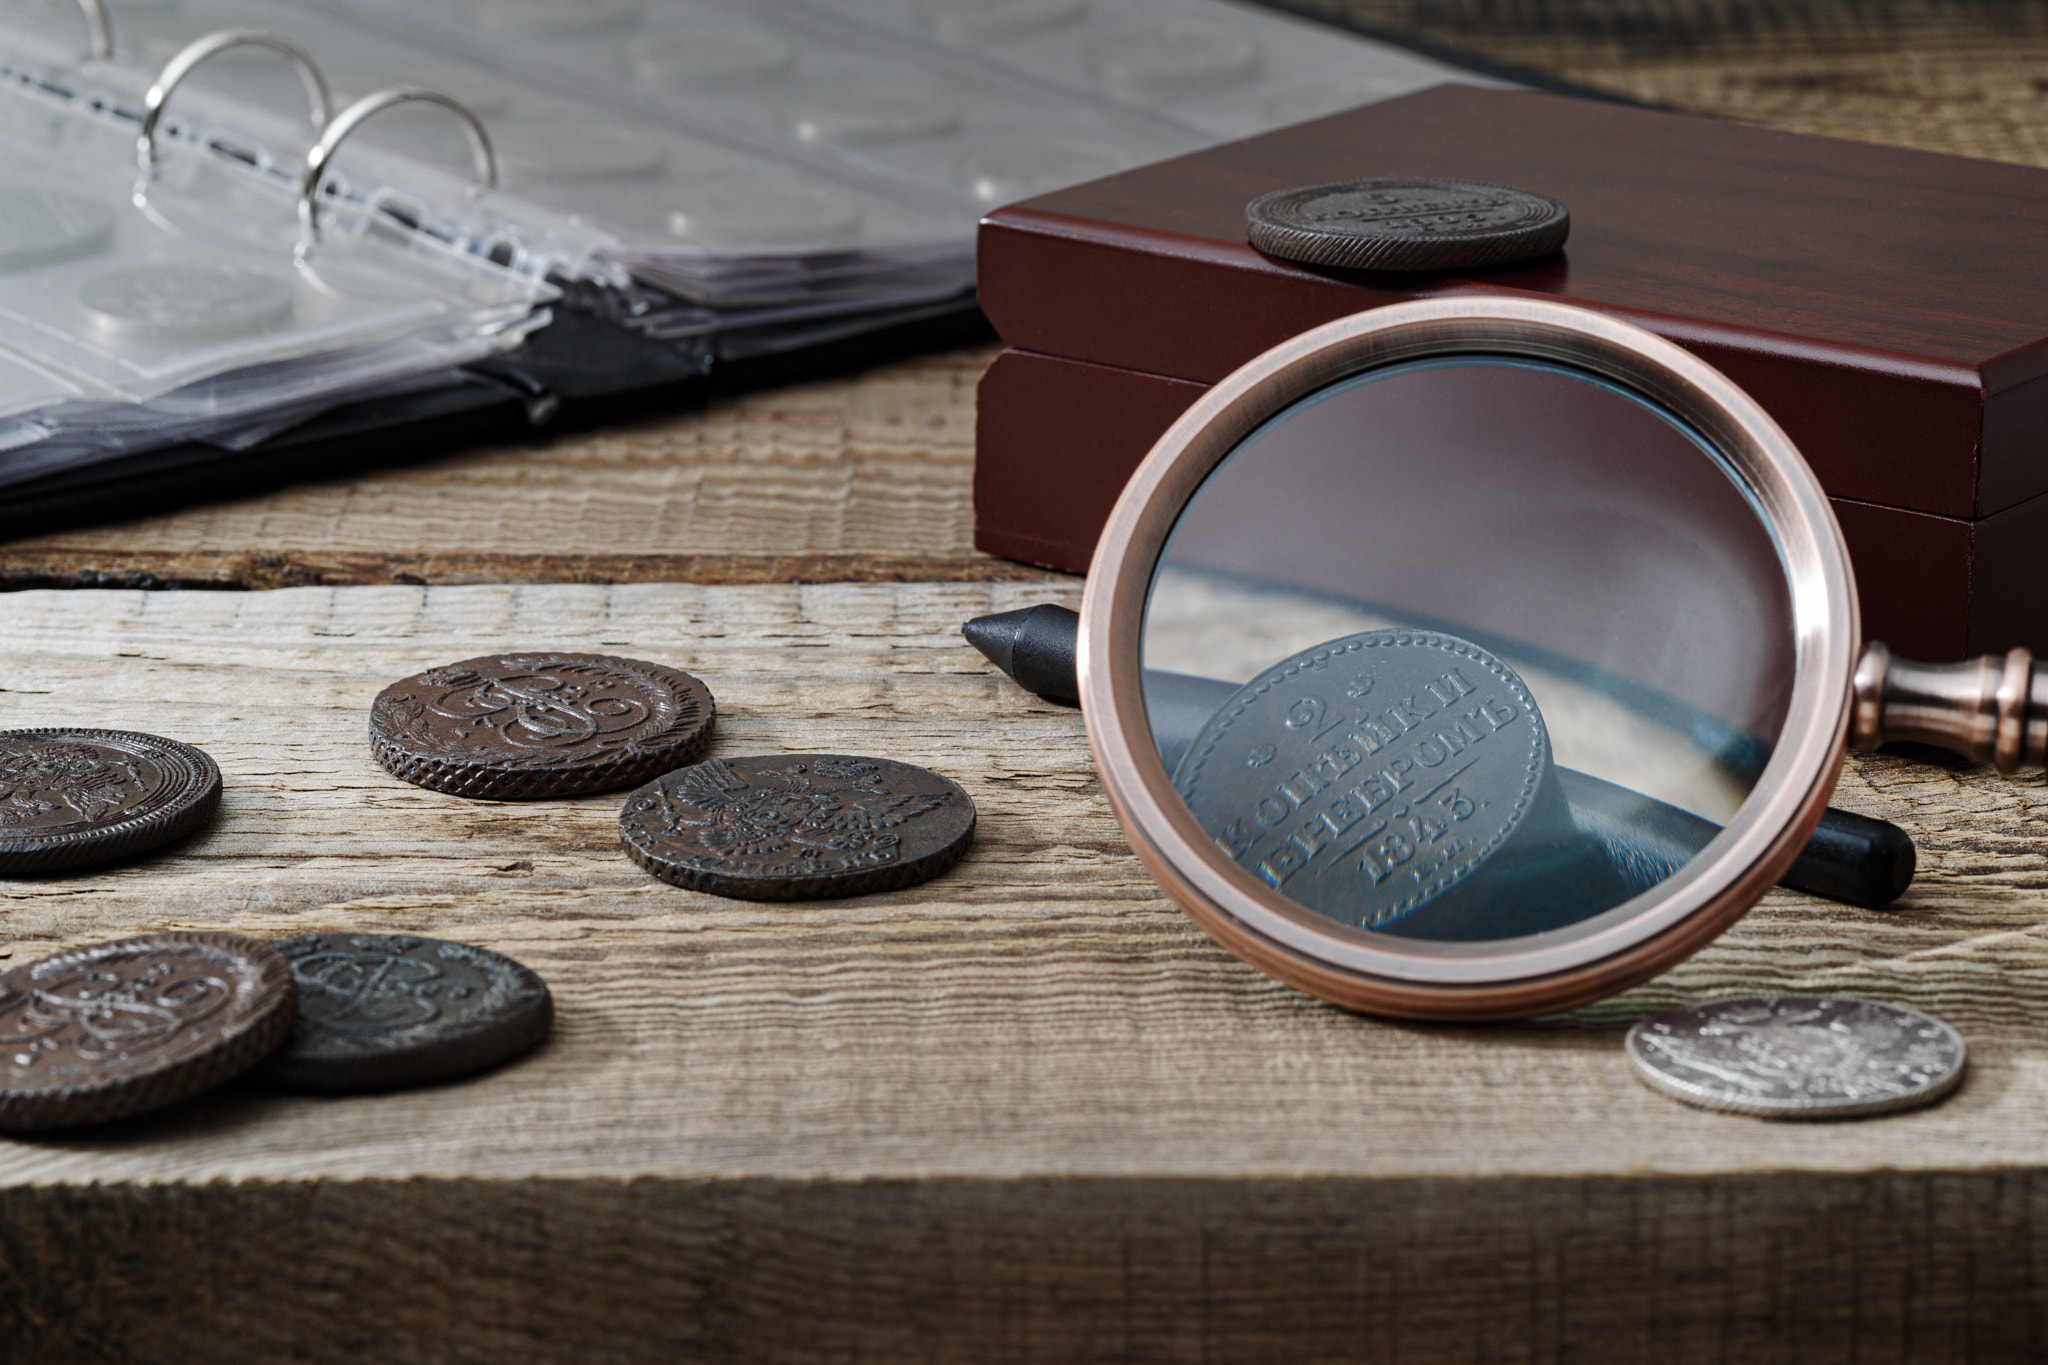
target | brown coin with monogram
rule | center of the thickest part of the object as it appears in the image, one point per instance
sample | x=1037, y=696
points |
x=797, y=826
x=523, y=727
x=122, y=1028
x=69, y=798
x=378, y=1011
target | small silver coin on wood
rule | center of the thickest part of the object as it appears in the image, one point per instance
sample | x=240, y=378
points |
x=1798, y=1056
x=797, y=826
x=1396, y=223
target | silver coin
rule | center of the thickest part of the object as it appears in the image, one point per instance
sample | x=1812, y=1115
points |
x=854, y=117
x=1175, y=58
x=565, y=152
x=1406, y=223
x=703, y=56
x=1798, y=1056
x=1003, y=171
x=41, y=227
x=184, y=302
x=763, y=213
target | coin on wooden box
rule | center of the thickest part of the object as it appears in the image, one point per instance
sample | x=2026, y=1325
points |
x=522, y=727
x=69, y=798
x=1405, y=223
x=797, y=826
x=377, y=1011
x=122, y=1028
x=1798, y=1056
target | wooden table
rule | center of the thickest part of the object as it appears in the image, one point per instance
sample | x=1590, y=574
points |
x=1022, y=1113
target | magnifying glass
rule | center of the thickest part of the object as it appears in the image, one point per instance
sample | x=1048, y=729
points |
x=1404, y=635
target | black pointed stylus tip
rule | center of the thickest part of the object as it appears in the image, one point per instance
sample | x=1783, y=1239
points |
x=1034, y=645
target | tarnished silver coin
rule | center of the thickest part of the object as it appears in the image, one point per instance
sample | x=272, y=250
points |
x=184, y=302
x=377, y=1011
x=1366, y=776
x=42, y=227
x=1798, y=1056
x=797, y=826
x=1396, y=223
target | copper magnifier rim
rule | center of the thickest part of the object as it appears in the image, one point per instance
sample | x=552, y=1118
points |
x=1509, y=978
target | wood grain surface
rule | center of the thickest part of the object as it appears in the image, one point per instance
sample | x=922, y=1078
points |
x=1023, y=1112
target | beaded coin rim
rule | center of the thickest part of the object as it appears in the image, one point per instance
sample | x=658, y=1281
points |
x=396, y=1060
x=485, y=781
x=266, y=982
x=179, y=815
x=1267, y=229
x=824, y=886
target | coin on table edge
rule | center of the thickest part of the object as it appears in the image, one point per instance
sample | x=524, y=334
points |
x=534, y=725
x=1406, y=223
x=380, y=1011
x=786, y=827
x=47, y=772
x=118, y=1029
x=1900, y=1058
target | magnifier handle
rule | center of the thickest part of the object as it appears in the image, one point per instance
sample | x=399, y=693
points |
x=1988, y=709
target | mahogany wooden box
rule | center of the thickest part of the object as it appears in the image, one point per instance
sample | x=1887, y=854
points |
x=1888, y=307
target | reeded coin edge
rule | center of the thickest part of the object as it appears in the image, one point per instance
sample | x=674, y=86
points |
x=484, y=781
x=1367, y=250
x=233, y=1051
x=1701, y=1097
x=823, y=886
x=178, y=816
x=411, y=1057
x=1273, y=678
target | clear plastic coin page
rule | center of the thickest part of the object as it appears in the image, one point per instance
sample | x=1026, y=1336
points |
x=203, y=277
x=772, y=153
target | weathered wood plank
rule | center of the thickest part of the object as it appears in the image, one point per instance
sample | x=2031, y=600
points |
x=860, y=477
x=1027, y=1101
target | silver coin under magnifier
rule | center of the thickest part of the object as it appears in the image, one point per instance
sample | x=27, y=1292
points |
x=1798, y=1056
x=41, y=227
x=184, y=302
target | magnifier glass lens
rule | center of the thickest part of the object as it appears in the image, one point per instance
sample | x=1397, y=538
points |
x=1468, y=648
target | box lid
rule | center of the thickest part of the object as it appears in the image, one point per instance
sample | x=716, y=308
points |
x=1889, y=307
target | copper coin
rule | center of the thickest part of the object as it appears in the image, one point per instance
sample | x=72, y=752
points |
x=125, y=1027
x=377, y=1011
x=1396, y=223
x=797, y=826
x=1367, y=775
x=73, y=797
x=523, y=727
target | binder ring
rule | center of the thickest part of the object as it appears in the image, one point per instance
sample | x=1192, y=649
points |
x=348, y=120
x=197, y=51
x=100, y=26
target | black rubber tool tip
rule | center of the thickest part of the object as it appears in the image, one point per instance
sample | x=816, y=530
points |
x=1856, y=859
x=1034, y=645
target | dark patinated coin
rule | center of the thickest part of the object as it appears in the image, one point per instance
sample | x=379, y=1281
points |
x=125, y=1027
x=797, y=826
x=1406, y=224
x=73, y=797
x=377, y=1011
x=1367, y=776
x=522, y=727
